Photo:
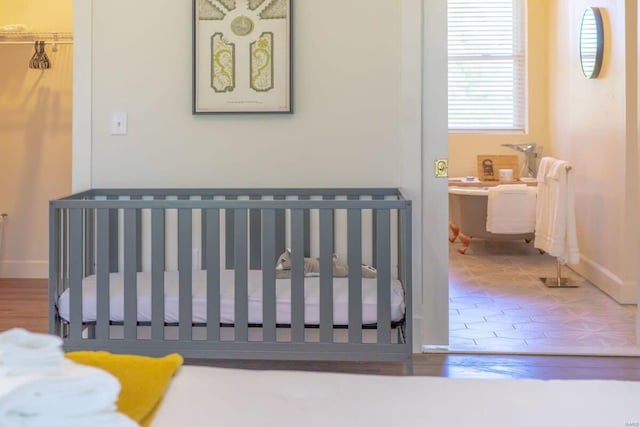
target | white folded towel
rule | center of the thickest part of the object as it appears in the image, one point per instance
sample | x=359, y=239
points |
x=555, y=212
x=75, y=393
x=543, y=168
x=511, y=209
x=24, y=351
x=103, y=419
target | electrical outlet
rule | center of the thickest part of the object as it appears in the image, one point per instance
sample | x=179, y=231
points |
x=118, y=123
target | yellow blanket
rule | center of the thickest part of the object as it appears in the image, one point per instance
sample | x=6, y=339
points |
x=143, y=379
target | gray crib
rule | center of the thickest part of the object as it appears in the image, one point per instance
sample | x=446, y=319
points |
x=144, y=271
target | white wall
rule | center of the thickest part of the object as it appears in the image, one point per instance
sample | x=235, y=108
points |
x=346, y=95
x=594, y=126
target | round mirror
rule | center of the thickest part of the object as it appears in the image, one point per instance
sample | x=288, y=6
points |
x=591, y=42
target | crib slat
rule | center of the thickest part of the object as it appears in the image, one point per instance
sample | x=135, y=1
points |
x=130, y=273
x=157, y=272
x=374, y=249
x=280, y=229
x=354, y=257
x=255, y=237
x=229, y=232
x=241, y=320
x=383, y=265
x=212, y=217
x=102, y=274
x=185, y=273
x=333, y=244
x=297, y=275
x=113, y=237
x=138, y=235
x=65, y=247
x=306, y=227
x=268, y=275
x=405, y=244
x=326, y=273
x=54, y=268
x=203, y=235
x=89, y=253
x=75, y=273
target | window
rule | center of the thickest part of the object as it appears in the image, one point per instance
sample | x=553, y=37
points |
x=486, y=65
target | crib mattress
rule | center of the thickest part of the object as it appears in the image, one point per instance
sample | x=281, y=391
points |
x=199, y=292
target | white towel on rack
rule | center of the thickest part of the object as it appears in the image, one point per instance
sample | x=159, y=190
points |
x=555, y=212
x=511, y=209
x=543, y=168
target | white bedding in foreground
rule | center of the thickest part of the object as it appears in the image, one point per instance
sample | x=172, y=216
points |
x=227, y=302
x=202, y=396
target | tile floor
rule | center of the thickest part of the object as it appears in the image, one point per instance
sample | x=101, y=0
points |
x=498, y=303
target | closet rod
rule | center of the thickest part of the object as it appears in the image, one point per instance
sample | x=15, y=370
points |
x=49, y=42
x=17, y=38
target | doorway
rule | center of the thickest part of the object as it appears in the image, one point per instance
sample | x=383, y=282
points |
x=35, y=128
x=496, y=300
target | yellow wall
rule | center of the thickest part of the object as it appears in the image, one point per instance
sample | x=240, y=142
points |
x=464, y=147
x=40, y=15
x=593, y=124
x=35, y=136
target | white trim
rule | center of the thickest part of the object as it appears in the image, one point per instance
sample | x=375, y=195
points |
x=623, y=292
x=411, y=146
x=30, y=269
x=81, y=164
x=434, y=201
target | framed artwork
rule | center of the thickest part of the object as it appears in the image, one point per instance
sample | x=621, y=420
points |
x=242, y=56
x=489, y=165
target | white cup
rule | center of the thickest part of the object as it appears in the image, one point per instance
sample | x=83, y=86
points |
x=506, y=175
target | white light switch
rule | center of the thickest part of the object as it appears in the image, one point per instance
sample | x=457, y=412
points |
x=118, y=123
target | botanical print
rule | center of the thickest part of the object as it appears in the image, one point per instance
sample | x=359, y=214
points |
x=261, y=64
x=222, y=64
x=242, y=56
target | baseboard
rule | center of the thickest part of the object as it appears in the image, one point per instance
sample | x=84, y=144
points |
x=621, y=291
x=24, y=269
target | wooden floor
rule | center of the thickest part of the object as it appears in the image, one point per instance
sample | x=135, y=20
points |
x=23, y=303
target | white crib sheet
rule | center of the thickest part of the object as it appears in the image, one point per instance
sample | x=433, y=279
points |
x=199, y=292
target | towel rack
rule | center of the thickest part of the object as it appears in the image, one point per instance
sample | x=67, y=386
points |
x=559, y=281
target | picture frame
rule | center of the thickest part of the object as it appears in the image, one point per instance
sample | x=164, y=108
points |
x=489, y=166
x=242, y=56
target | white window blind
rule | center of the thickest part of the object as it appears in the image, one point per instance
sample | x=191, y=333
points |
x=486, y=65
